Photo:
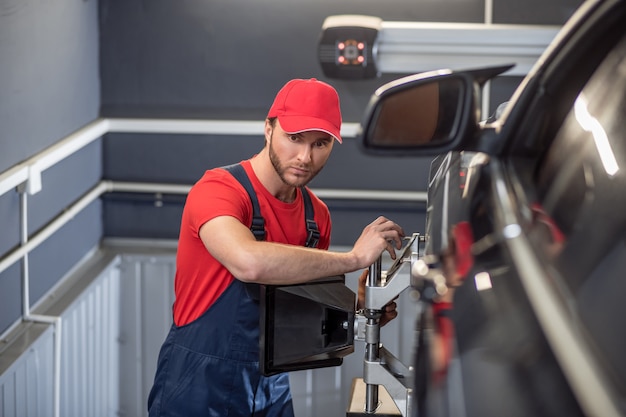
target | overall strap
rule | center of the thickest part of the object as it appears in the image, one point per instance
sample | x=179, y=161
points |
x=258, y=222
x=313, y=236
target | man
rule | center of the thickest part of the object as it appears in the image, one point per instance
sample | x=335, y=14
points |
x=208, y=365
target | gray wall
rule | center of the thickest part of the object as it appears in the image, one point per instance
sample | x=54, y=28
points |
x=49, y=87
x=49, y=78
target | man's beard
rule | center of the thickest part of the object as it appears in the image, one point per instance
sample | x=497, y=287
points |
x=280, y=169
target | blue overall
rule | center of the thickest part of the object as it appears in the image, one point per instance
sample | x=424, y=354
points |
x=217, y=374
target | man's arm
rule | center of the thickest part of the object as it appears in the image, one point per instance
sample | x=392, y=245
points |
x=234, y=246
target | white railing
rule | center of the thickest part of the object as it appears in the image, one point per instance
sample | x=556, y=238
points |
x=29, y=171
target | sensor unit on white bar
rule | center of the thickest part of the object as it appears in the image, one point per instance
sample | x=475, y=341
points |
x=360, y=47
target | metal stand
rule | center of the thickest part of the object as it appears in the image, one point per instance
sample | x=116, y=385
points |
x=380, y=366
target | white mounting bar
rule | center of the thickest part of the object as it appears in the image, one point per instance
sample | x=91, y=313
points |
x=412, y=47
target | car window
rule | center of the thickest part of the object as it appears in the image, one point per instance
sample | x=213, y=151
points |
x=579, y=221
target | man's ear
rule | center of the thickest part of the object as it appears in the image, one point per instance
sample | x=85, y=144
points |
x=268, y=131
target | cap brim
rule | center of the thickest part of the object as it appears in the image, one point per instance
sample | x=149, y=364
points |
x=299, y=124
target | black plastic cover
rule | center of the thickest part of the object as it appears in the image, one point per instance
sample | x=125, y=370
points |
x=306, y=326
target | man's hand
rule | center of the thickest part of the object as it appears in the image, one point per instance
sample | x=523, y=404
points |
x=389, y=311
x=380, y=235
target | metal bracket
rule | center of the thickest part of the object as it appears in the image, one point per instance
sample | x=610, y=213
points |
x=380, y=366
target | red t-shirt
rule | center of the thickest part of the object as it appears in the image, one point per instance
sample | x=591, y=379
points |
x=200, y=278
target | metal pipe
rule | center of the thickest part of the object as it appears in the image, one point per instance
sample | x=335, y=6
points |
x=488, y=12
x=375, y=272
x=371, y=390
x=24, y=257
x=27, y=316
x=13, y=177
x=110, y=186
x=30, y=170
x=372, y=337
x=203, y=127
x=55, y=225
x=324, y=193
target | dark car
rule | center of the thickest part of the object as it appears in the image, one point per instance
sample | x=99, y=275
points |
x=527, y=222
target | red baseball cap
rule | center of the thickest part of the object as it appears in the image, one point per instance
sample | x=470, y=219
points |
x=305, y=105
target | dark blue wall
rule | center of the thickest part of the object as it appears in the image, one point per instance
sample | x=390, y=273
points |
x=225, y=59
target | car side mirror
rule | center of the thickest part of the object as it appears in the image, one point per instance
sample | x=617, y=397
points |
x=424, y=114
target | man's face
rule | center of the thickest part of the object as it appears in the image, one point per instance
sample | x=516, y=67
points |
x=298, y=158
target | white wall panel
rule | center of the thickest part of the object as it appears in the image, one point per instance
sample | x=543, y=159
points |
x=146, y=311
x=26, y=386
x=90, y=371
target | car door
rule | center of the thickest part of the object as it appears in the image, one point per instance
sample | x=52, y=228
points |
x=537, y=317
